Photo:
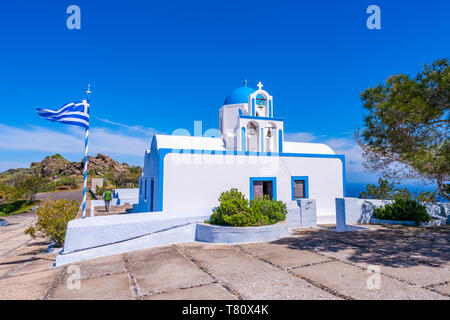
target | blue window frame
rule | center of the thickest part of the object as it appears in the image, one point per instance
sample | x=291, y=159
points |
x=305, y=185
x=274, y=185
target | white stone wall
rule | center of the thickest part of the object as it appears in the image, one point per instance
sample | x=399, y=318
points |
x=359, y=211
x=229, y=116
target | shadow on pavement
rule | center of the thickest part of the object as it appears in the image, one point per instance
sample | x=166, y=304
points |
x=394, y=246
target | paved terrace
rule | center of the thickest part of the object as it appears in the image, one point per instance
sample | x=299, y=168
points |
x=313, y=264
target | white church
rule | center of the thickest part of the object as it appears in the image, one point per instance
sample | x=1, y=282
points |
x=186, y=174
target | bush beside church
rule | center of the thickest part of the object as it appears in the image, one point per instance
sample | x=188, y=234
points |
x=235, y=210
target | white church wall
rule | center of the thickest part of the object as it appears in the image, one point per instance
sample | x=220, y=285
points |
x=229, y=121
x=229, y=116
x=147, y=195
x=196, y=180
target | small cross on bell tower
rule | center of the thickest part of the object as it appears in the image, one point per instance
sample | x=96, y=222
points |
x=260, y=85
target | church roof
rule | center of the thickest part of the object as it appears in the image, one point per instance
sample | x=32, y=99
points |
x=303, y=147
x=188, y=142
x=207, y=143
x=239, y=95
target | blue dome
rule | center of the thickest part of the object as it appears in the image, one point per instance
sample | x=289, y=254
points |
x=239, y=95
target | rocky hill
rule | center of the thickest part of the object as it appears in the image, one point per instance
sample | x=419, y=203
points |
x=55, y=167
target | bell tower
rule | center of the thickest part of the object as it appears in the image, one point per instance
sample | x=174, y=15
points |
x=246, y=121
x=260, y=131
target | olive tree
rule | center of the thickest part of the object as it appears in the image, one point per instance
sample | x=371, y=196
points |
x=407, y=126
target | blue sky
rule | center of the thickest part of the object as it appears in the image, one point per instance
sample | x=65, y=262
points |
x=156, y=66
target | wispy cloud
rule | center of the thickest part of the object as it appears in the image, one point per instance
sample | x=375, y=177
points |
x=301, y=137
x=341, y=145
x=133, y=128
x=37, y=139
x=71, y=141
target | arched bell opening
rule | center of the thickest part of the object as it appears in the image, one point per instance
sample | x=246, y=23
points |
x=270, y=138
x=261, y=106
x=252, y=136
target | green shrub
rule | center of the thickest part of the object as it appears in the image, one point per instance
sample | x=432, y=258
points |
x=274, y=210
x=15, y=207
x=70, y=182
x=52, y=219
x=100, y=190
x=232, y=204
x=8, y=193
x=403, y=209
x=234, y=210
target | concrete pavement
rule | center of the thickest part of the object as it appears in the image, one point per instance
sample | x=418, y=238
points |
x=414, y=263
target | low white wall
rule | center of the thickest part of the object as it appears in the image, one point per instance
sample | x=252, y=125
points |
x=222, y=234
x=123, y=196
x=360, y=211
x=92, y=232
x=129, y=193
x=181, y=234
x=302, y=214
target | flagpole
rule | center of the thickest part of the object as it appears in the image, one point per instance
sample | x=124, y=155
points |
x=88, y=92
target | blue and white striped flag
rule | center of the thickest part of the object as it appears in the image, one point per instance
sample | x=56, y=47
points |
x=74, y=113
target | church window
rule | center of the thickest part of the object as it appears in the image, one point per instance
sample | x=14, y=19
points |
x=299, y=187
x=260, y=187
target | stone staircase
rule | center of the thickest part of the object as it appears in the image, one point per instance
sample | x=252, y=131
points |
x=113, y=210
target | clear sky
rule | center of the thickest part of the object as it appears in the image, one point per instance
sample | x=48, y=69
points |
x=156, y=66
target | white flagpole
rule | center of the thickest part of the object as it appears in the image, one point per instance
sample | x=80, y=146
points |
x=88, y=92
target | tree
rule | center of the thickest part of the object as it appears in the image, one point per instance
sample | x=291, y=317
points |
x=8, y=193
x=29, y=186
x=387, y=191
x=407, y=128
x=384, y=190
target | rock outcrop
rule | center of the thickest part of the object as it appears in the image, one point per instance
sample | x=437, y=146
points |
x=55, y=166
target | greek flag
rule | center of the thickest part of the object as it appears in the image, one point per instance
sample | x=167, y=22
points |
x=74, y=113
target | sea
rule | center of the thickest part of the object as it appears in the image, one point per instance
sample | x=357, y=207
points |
x=354, y=189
